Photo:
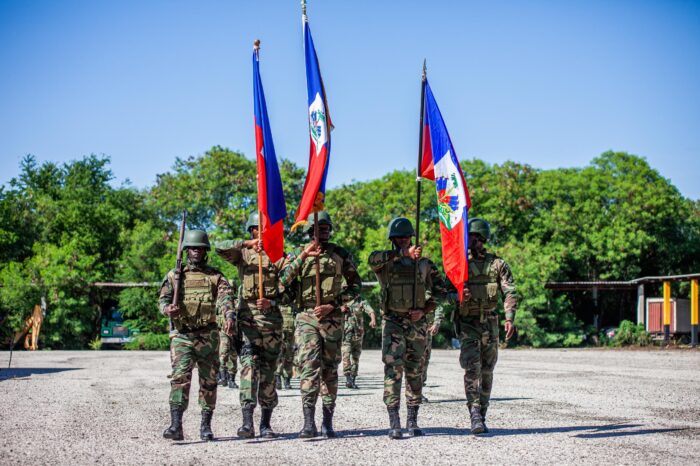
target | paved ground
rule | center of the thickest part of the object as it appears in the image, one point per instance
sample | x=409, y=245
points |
x=550, y=406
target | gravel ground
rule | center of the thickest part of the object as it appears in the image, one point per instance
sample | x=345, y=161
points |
x=549, y=407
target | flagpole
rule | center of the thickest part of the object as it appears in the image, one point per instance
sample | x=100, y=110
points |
x=261, y=295
x=418, y=181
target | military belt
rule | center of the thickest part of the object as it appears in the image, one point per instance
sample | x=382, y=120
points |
x=206, y=328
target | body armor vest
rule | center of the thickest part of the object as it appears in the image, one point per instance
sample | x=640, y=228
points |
x=197, y=300
x=251, y=279
x=331, y=268
x=483, y=285
x=398, y=287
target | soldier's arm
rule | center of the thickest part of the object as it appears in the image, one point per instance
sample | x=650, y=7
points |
x=230, y=250
x=352, y=280
x=165, y=296
x=378, y=259
x=436, y=288
x=439, y=315
x=368, y=308
x=285, y=294
x=507, y=285
x=291, y=267
x=224, y=299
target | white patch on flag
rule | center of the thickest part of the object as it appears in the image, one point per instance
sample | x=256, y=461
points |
x=450, y=191
x=317, y=123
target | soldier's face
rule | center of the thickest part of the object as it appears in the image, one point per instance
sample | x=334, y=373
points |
x=254, y=232
x=402, y=242
x=476, y=243
x=324, y=233
x=195, y=255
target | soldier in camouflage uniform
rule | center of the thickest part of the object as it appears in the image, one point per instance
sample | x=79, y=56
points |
x=353, y=333
x=405, y=327
x=228, y=357
x=203, y=293
x=260, y=327
x=433, y=320
x=320, y=327
x=286, y=359
x=489, y=275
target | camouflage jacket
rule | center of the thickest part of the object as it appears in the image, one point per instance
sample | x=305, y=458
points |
x=354, y=318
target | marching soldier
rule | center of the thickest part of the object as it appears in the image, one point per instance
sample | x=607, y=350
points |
x=228, y=357
x=489, y=276
x=320, y=327
x=404, y=328
x=433, y=320
x=286, y=360
x=260, y=326
x=353, y=333
x=203, y=293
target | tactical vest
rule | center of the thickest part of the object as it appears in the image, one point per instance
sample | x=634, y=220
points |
x=197, y=299
x=251, y=278
x=397, y=289
x=331, y=268
x=483, y=285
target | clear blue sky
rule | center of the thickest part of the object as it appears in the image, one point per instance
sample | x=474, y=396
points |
x=548, y=83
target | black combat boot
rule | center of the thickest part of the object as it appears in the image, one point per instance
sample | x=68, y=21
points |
x=222, y=378
x=278, y=382
x=265, y=429
x=287, y=383
x=174, y=432
x=327, y=425
x=232, y=381
x=412, y=422
x=394, y=423
x=477, y=421
x=348, y=381
x=483, y=420
x=205, y=432
x=354, y=385
x=247, y=430
x=309, y=430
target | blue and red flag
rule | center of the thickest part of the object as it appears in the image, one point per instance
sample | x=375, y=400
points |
x=270, y=195
x=439, y=163
x=320, y=127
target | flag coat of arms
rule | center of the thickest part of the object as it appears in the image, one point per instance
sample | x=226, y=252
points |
x=270, y=194
x=320, y=127
x=439, y=163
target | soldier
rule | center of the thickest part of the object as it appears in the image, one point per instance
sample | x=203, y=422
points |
x=353, y=333
x=260, y=326
x=285, y=361
x=405, y=327
x=478, y=321
x=203, y=293
x=228, y=357
x=319, y=328
x=433, y=320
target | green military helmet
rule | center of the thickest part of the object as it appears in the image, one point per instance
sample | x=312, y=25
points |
x=253, y=221
x=481, y=227
x=196, y=239
x=323, y=219
x=400, y=226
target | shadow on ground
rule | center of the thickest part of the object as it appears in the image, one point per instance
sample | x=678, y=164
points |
x=20, y=372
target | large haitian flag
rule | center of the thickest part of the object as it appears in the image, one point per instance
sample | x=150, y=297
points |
x=270, y=195
x=320, y=127
x=440, y=163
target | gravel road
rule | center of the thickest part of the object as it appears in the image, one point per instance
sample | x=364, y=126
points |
x=549, y=407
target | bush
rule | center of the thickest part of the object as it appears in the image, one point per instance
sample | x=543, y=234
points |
x=96, y=344
x=630, y=334
x=149, y=342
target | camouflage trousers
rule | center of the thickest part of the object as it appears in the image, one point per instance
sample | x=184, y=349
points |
x=228, y=358
x=477, y=356
x=351, y=349
x=425, y=361
x=286, y=360
x=261, y=336
x=403, y=346
x=318, y=356
x=200, y=348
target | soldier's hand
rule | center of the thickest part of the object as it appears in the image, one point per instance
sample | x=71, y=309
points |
x=344, y=308
x=510, y=329
x=321, y=311
x=229, y=327
x=372, y=321
x=263, y=304
x=258, y=246
x=172, y=310
x=434, y=329
x=312, y=249
x=415, y=252
x=250, y=243
x=467, y=294
x=415, y=314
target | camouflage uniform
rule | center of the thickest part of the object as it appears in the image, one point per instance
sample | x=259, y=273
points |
x=433, y=318
x=204, y=293
x=286, y=359
x=353, y=333
x=260, y=331
x=228, y=357
x=319, y=340
x=478, y=325
x=403, y=340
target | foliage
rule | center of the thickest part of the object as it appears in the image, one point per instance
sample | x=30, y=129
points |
x=149, y=342
x=630, y=334
x=95, y=344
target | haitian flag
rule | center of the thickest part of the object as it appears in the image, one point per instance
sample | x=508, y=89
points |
x=439, y=163
x=270, y=195
x=320, y=127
